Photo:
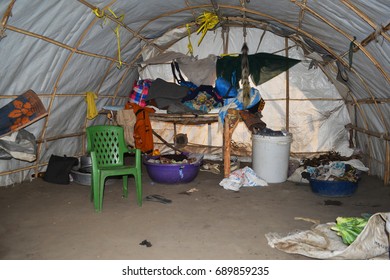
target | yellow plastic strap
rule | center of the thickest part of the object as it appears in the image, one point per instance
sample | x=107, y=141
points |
x=100, y=14
x=207, y=21
x=189, y=46
x=118, y=38
x=91, y=106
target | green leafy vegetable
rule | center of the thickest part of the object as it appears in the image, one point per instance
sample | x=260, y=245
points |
x=349, y=228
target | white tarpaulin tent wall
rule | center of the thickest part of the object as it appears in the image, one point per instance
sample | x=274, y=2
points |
x=63, y=49
x=318, y=114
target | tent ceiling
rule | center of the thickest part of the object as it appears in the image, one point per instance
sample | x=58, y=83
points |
x=62, y=49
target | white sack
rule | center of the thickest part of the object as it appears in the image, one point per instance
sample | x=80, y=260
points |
x=323, y=243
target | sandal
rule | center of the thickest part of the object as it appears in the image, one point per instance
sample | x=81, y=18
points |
x=158, y=198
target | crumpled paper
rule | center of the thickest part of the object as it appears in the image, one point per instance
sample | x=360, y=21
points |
x=244, y=177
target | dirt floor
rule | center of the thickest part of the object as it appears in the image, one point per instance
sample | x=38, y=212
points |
x=45, y=221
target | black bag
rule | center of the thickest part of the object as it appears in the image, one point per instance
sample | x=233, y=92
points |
x=58, y=169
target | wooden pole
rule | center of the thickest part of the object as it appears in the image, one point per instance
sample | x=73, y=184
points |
x=386, y=179
x=287, y=89
x=230, y=123
x=4, y=21
x=384, y=136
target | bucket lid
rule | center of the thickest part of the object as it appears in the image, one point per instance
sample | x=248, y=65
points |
x=284, y=138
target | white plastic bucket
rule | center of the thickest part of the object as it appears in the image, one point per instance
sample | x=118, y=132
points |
x=270, y=157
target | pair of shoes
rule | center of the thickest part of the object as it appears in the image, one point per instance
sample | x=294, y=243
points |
x=158, y=198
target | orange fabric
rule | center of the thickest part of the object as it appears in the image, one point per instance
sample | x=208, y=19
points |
x=143, y=133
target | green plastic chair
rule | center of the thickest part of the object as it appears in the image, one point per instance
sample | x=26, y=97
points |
x=106, y=145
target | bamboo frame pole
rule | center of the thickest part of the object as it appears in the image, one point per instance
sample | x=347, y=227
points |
x=248, y=20
x=59, y=44
x=363, y=114
x=386, y=179
x=62, y=136
x=302, y=14
x=5, y=18
x=136, y=34
x=373, y=36
x=384, y=136
x=373, y=100
x=54, y=93
x=380, y=113
x=367, y=19
x=287, y=84
x=349, y=37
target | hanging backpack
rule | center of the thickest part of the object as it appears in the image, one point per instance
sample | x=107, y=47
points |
x=143, y=133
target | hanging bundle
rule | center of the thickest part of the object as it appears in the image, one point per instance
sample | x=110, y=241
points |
x=207, y=21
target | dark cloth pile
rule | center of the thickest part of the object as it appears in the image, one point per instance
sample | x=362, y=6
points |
x=333, y=167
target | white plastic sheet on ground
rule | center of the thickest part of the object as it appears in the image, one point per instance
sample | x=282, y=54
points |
x=244, y=177
x=323, y=243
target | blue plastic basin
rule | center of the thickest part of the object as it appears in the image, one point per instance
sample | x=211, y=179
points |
x=179, y=173
x=333, y=188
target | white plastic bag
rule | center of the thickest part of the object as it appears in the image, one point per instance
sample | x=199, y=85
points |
x=244, y=177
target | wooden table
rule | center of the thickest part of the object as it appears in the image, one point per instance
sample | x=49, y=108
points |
x=231, y=120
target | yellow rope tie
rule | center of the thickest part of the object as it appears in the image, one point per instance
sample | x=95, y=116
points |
x=207, y=21
x=118, y=38
x=189, y=46
x=100, y=14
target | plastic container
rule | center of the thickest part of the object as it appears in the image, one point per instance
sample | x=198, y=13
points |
x=178, y=173
x=333, y=188
x=270, y=157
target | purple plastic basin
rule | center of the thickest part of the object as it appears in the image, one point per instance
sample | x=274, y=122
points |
x=333, y=188
x=178, y=173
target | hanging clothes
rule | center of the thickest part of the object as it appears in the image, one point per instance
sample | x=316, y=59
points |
x=91, y=106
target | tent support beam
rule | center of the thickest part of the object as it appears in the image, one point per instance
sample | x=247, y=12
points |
x=287, y=89
x=384, y=136
x=386, y=178
x=4, y=20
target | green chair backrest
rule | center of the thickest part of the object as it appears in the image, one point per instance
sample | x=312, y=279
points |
x=108, y=143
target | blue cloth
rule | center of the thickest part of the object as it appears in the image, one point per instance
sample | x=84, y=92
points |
x=236, y=103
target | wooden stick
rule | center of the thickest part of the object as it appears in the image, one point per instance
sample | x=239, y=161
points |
x=77, y=134
x=372, y=101
x=287, y=83
x=384, y=136
x=348, y=36
x=136, y=34
x=54, y=42
x=230, y=123
x=367, y=19
x=166, y=143
x=386, y=179
x=293, y=27
x=302, y=13
x=7, y=14
x=36, y=167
